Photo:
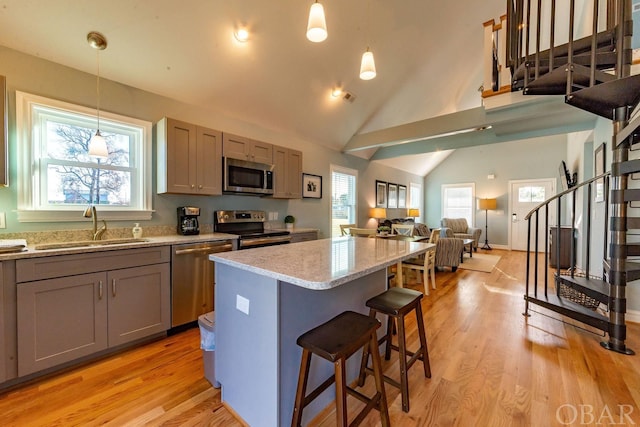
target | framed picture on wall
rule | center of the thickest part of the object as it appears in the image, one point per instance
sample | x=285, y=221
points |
x=392, y=195
x=599, y=165
x=381, y=194
x=311, y=186
x=402, y=196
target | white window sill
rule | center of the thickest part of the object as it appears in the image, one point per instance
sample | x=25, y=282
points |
x=76, y=215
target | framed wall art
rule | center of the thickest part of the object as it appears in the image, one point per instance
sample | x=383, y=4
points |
x=599, y=165
x=402, y=196
x=381, y=194
x=311, y=186
x=392, y=195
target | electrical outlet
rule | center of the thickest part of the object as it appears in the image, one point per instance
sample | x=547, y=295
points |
x=3, y=221
x=242, y=304
x=275, y=216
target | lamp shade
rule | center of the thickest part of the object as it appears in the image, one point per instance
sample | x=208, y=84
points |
x=413, y=212
x=368, y=66
x=317, y=26
x=378, y=213
x=98, y=146
x=487, y=204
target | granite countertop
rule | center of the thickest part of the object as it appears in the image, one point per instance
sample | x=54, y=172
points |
x=323, y=264
x=31, y=251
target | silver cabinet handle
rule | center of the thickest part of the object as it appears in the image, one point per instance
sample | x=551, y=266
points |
x=113, y=287
x=100, y=289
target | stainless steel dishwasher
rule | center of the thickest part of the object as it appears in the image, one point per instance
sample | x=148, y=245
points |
x=192, y=280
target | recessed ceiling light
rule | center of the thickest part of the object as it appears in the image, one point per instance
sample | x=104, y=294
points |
x=335, y=93
x=241, y=34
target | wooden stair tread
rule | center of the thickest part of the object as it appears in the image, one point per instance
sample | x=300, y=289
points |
x=594, y=288
x=570, y=309
x=604, y=98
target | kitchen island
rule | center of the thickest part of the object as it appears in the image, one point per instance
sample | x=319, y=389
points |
x=267, y=297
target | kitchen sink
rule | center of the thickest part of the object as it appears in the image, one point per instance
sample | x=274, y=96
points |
x=85, y=243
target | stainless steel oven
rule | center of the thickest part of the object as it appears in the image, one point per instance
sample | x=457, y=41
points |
x=192, y=280
x=249, y=225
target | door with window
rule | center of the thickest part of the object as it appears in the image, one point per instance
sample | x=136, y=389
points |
x=524, y=195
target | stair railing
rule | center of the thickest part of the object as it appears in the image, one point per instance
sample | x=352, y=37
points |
x=523, y=36
x=534, y=250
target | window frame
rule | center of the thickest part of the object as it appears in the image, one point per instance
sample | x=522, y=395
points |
x=30, y=182
x=472, y=208
x=346, y=171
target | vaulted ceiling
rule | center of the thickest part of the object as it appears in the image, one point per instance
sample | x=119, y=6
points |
x=428, y=56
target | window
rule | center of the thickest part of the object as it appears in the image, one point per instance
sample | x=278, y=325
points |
x=457, y=201
x=415, y=199
x=531, y=194
x=343, y=198
x=59, y=178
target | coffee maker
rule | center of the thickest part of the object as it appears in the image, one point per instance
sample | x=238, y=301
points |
x=188, y=220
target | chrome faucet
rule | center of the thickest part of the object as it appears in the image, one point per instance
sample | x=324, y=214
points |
x=91, y=212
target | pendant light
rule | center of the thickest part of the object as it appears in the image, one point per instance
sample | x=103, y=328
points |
x=367, y=66
x=317, y=26
x=97, y=144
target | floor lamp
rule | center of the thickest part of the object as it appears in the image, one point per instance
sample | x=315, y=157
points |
x=487, y=205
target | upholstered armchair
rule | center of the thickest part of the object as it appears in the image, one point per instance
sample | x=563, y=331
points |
x=458, y=228
x=448, y=249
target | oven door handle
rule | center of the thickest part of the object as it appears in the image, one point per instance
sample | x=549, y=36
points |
x=247, y=243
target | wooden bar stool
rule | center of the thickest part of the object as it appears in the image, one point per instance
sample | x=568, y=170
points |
x=396, y=303
x=335, y=341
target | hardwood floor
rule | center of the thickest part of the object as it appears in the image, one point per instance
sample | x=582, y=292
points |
x=490, y=365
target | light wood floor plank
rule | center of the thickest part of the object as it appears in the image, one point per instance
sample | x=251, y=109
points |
x=491, y=366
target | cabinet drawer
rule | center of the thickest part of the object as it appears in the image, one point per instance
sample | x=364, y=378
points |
x=28, y=270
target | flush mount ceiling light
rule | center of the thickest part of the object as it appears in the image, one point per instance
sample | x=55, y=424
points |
x=241, y=34
x=97, y=145
x=317, y=26
x=337, y=92
x=367, y=66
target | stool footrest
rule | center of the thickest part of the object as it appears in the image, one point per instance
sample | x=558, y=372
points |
x=371, y=403
x=316, y=392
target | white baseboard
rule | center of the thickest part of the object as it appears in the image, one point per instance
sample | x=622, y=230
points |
x=633, y=316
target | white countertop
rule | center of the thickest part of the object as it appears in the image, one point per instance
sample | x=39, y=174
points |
x=322, y=264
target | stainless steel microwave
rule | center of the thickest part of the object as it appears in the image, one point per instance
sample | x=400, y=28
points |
x=241, y=176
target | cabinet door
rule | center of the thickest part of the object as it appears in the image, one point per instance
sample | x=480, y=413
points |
x=177, y=156
x=139, y=302
x=4, y=141
x=209, y=162
x=60, y=320
x=239, y=147
x=287, y=173
x=294, y=174
x=3, y=362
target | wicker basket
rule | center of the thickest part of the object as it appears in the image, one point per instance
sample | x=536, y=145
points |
x=577, y=296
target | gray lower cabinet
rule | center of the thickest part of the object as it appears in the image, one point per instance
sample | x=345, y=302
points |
x=3, y=361
x=304, y=236
x=61, y=319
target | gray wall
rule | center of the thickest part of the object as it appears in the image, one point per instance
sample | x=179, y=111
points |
x=34, y=75
x=532, y=158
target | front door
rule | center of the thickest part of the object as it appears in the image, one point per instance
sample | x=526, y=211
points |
x=524, y=195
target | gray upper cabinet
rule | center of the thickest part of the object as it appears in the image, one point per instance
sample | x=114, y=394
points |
x=189, y=158
x=4, y=142
x=287, y=173
x=239, y=147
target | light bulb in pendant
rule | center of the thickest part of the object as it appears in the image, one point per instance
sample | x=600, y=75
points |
x=98, y=146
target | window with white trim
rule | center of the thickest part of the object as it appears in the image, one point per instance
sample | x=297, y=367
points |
x=415, y=199
x=59, y=178
x=344, y=183
x=458, y=201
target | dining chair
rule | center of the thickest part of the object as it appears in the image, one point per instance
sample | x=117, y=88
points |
x=344, y=229
x=403, y=229
x=426, y=264
x=362, y=232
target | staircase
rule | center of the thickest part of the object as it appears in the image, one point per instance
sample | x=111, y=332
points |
x=593, y=73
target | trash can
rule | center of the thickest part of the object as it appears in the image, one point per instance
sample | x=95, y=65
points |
x=207, y=323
